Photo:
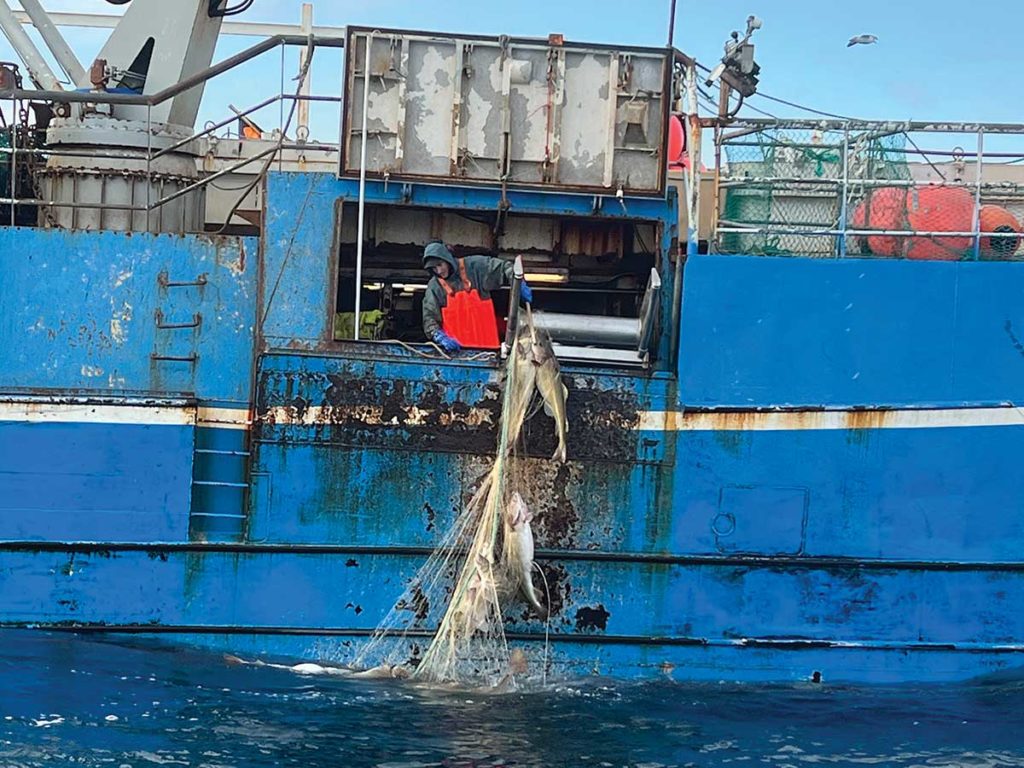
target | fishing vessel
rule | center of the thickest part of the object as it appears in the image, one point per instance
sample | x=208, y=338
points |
x=794, y=421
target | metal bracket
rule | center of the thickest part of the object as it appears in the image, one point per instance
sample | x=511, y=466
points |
x=197, y=319
x=164, y=282
x=175, y=358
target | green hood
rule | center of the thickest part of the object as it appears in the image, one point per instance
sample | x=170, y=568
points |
x=439, y=251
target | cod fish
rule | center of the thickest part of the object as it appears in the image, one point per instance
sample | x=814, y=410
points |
x=309, y=668
x=519, y=517
x=552, y=390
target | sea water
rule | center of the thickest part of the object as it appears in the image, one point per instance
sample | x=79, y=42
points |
x=90, y=701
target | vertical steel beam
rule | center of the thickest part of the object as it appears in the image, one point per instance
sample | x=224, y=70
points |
x=843, y=202
x=976, y=224
x=307, y=29
x=362, y=187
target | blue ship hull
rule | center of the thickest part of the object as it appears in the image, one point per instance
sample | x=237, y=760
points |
x=824, y=486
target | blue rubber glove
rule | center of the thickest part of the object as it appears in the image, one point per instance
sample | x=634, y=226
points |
x=525, y=293
x=446, y=342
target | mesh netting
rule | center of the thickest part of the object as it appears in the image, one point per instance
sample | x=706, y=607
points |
x=484, y=562
x=783, y=180
x=785, y=188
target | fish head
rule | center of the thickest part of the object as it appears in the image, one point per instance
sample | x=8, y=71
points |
x=518, y=512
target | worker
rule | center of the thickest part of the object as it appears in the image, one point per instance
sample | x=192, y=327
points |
x=457, y=307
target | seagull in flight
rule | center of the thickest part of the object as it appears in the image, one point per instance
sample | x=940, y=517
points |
x=862, y=40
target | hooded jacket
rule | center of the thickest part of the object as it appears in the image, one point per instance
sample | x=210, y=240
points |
x=486, y=273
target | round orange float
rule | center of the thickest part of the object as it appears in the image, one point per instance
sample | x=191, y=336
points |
x=923, y=209
x=676, y=140
x=995, y=218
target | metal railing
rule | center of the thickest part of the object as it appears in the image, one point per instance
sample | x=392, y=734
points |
x=834, y=188
x=28, y=156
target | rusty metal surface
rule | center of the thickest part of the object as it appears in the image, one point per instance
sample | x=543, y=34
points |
x=400, y=405
x=388, y=451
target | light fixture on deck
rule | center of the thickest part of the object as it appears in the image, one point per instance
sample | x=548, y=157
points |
x=548, y=276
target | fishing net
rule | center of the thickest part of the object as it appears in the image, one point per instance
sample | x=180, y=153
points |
x=477, y=568
x=791, y=190
x=787, y=182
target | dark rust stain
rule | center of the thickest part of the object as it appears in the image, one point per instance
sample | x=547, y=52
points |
x=357, y=608
x=558, y=593
x=431, y=516
x=592, y=619
x=298, y=407
x=371, y=406
x=602, y=423
x=351, y=563
x=560, y=523
x=1017, y=345
x=419, y=603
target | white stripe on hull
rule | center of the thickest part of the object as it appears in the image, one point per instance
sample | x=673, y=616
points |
x=38, y=412
x=779, y=421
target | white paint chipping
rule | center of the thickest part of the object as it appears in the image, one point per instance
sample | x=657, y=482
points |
x=754, y=421
x=36, y=412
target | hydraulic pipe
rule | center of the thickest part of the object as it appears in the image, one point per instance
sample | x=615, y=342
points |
x=55, y=42
x=38, y=70
x=590, y=329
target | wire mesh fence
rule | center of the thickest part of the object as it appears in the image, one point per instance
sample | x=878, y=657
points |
x=831, y=189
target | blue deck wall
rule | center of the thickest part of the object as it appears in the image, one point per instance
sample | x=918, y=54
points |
x=725, y=549
x=79, y=324
x=772, y=331
x=79, y=313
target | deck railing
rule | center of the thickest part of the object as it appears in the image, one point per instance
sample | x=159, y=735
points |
x=833, y=188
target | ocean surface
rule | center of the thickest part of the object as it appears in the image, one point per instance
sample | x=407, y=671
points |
x=87, y=701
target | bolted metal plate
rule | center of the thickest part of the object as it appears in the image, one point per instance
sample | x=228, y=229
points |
x=526, y=112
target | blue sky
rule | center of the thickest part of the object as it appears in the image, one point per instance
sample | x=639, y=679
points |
x=935, y=59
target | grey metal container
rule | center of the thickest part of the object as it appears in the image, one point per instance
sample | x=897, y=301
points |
x=523, y=112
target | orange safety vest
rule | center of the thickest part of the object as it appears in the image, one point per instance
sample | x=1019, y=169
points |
x=466, y=317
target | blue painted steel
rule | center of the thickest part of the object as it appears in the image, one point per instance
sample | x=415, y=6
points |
x=324, y=478
x=870, y=553
x=220, y=485
x=706, y=662
x=611, y=605
x=82, y=310
x=762, y=332
x=94, y=482
x=942, y=494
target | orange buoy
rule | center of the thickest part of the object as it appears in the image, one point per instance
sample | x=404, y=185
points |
x=995, y=218
x=924, y=209
x=884, y=208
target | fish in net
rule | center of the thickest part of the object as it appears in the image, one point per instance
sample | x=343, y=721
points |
x=485, y=559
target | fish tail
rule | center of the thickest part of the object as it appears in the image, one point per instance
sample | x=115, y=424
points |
x=531, y=598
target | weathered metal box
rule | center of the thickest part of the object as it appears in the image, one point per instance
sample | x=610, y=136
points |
x=527, y=112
